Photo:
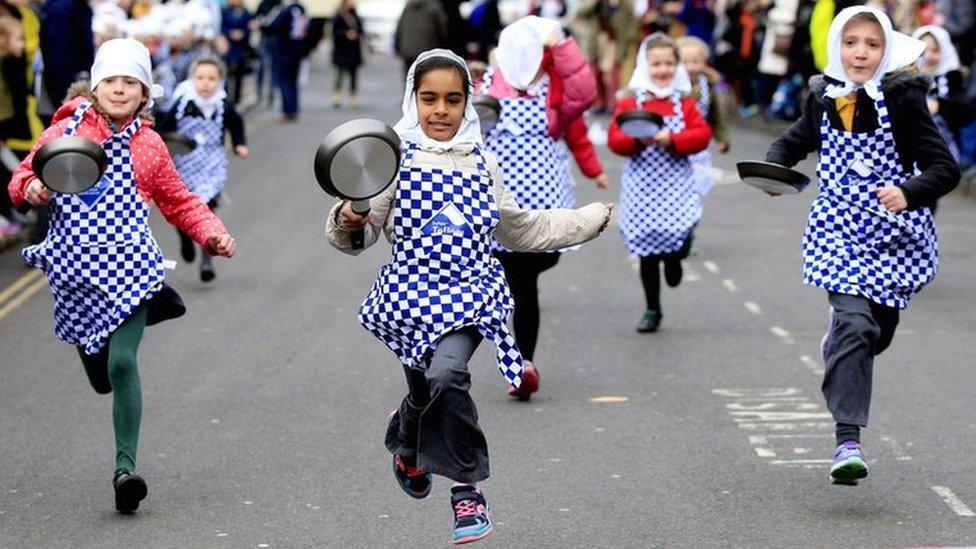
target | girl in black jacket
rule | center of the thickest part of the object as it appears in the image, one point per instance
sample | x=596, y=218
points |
x=347, y=51
x=870, y=240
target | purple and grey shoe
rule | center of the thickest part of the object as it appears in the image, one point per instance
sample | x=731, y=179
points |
x=849, y=464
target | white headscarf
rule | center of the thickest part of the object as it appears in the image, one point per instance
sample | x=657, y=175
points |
x=520, y=49
x=125, y=57
x=408, y=128
x=900, y=51
x=207, y=106
x=950, y=57
x=641, y=78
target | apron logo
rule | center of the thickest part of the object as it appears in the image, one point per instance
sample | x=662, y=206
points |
x=450, y=221
x=94, y=193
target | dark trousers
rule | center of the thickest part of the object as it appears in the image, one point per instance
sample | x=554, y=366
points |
x=859, y=330
x=288, y=82
x=340, y=75
x=436, y=427
x=235, y=79
x=522, y=272
x=650, y=272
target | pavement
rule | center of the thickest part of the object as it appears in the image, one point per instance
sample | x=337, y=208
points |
x=265, y=406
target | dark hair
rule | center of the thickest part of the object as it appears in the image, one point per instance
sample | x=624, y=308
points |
x=438, y=63
x=209, y=60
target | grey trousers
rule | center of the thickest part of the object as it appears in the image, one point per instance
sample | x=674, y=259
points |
x=859, y=330
x=436, y=426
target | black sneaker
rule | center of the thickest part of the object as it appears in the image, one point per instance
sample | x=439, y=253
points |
x=207, y=273
x=188, y=250
x=673, y=272
x=472, y=517
x=130, y=489
x=414, y=482
x=650, y=321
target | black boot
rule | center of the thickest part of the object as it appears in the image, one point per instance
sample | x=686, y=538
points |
x=650, y=321
x=130, y=489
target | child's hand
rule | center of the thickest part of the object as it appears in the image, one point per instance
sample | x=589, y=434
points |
x=351, y=220
x=723, y=147
x=606, y=221
x=602, y=181
x=893, y=198
x=223, y=244
x=37, y=194
x=663, y=139
x=241, y=151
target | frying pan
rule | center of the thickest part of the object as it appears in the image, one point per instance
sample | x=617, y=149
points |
x=772, y=177
x=489, y=111
x=178, y=144
x=357, y=161
x=639, y=123
x=69, y=165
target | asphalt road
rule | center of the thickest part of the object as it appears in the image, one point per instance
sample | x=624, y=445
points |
x=265, y=406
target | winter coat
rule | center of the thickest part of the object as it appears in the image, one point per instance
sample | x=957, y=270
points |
x=422, y=26
x=694, y=138
x=517, y=230
x=155, y=175
x=618, y=20
x=917, y=140
x=572, y=87
x=231, y=20
x=67, y=44
x=347, y=53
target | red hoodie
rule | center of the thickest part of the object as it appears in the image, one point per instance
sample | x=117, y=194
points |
x=156, y=177
x=694, y=138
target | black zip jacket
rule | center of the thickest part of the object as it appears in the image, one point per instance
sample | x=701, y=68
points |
x=233, y=122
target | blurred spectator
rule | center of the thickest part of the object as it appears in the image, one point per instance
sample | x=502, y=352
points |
x=698, y=17
x=289, y=26
x=266, y=53
x=235, y=25
x=67, y=46
x=608, y=38
x=347, y=50
x=422, y=26
x=487, y=24
x=743, y=42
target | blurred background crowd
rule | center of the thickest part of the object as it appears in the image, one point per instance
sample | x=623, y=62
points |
x=761, y=52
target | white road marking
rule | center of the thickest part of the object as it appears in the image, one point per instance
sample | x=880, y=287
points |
x=757, y=393
x=778, y=416
x=953, y=501
x=692, y=277
x=779, y=332
x=710, y=266
x=808, y=425
x=800, y=461
x=765, y=452
x=753, y=307
x=767, y=406
x=729, y=285
x=764, y=439
x=609, y=399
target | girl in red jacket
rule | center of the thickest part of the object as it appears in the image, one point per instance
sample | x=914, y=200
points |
x=659, y=205
x=544, y=85
x=101, y=260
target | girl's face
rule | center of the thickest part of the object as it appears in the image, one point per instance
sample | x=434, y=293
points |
x=862, y=46
x=120, y=96
x=206, y=80
x=661, y=64
x=932, y=53
x=440, y=103
x=693, y=58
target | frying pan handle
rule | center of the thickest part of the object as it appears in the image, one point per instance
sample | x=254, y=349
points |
x=358, y=237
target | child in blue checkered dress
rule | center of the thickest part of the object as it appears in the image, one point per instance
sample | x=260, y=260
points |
x=103, y=264
x=443, y=291
x=660, y=203
x=870, y=240
x=202, y=112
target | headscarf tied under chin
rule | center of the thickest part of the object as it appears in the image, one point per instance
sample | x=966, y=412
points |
x=641, y=79
x=900, y=51
x=521, y=47
x=950, y=57
x=408, y=128
x=207, y=106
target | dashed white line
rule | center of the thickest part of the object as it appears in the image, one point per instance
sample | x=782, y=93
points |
x=730, y=285
x=765, y=452
x=953, y=501
x=753, y=307
x=779, y=332
x=710, y=266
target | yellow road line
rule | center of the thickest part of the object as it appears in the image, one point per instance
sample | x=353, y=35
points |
x=17, y=301
x=24, y=280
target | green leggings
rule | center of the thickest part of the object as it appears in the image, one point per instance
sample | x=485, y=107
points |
x=115, y=369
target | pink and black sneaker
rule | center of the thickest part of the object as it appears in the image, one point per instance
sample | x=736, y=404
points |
x=472, y=516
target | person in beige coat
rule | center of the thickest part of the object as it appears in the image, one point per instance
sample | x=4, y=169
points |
x=443, y=291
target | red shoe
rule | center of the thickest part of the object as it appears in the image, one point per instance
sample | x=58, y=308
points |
x=530, y=383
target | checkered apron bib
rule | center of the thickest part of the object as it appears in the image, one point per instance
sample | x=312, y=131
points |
x=442, y=275
x=703, y=183
x=204, y=169
x=659, y=205
x=99, y=255
x=940, y=90
x=852, y=244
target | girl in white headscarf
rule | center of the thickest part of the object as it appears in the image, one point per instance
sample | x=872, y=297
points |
x=870, y=240
x=442, y=291
x=659, y=198
x=948, y=104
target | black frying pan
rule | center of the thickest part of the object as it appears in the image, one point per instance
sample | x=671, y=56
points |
x=640, y=124
x=177, y=143
x=772, y=177
x=357, y=161
x=489, y=111
x=68, y=165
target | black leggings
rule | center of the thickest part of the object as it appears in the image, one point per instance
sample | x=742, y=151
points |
x=650, y=272
x=340, y=73
x=522, y=272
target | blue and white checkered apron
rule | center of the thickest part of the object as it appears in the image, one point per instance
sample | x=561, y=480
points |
x=204, y=169
x=940, y=90
x=852, y=244
x=703, y=183
x=659, y=205
x=443, y=275
x=99, y=255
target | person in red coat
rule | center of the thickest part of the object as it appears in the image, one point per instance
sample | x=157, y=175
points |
x=659, y=205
